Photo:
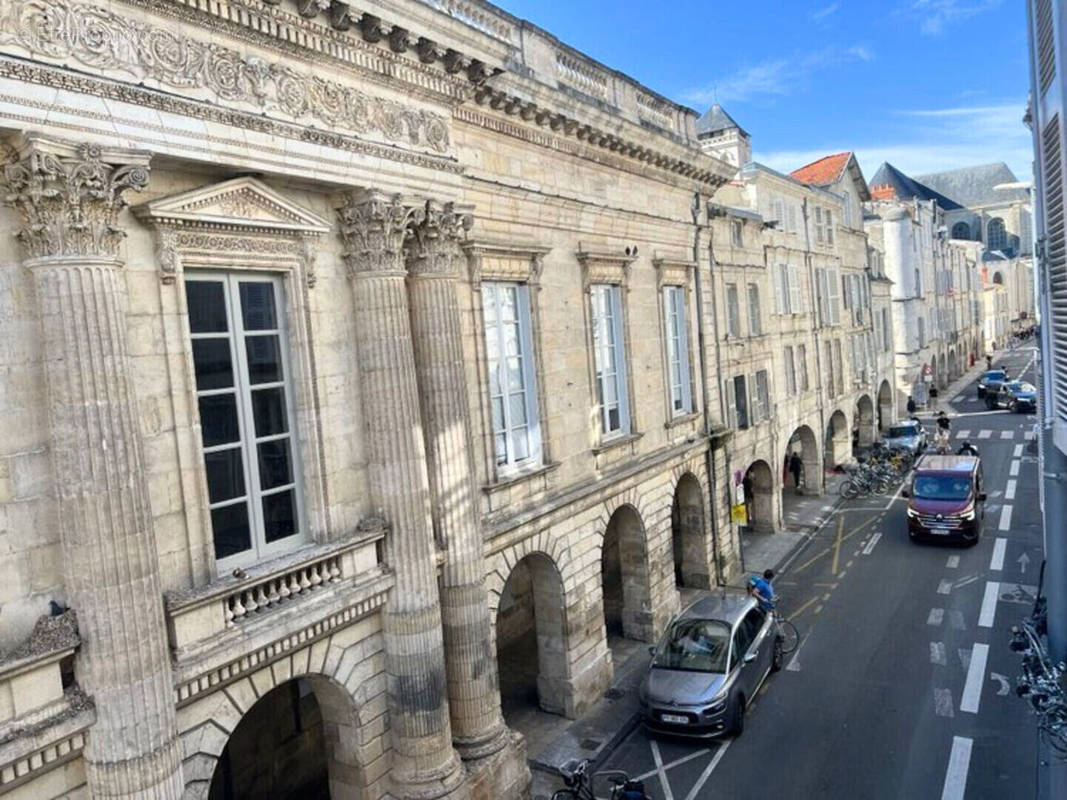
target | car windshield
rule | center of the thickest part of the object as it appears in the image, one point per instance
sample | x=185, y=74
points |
x=697, y=645
x=900, y=431
x=995, y=375
x=942, y=487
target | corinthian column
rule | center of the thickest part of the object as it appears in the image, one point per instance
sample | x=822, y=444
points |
x=373, y=226
x=433, y=261
x=69, y=198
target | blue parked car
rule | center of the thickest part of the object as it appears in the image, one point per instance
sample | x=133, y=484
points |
x=1018, y=396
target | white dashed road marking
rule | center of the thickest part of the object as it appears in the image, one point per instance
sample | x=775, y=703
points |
x=944, y=587
x=1013, y=470
x=943, y=703
x=996, y=563
x=959, y=761
x=936, y=615
x=989, y=605
x=870, y=545
x=953, y=562
x=1007, y=434
x=963, y=434
x=1018, y=451
x=1005, y=518
x=972, y=689
x=1009, y=490
x=937, y=653
x=984, y=434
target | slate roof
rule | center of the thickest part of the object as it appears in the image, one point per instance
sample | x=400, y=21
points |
x=973, y=186
x=824, y=171
x=889, y=183
x=715, y=119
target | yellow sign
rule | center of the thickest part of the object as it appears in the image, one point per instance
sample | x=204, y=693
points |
x=739, y=514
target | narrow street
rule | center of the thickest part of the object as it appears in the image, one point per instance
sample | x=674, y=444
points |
x=902, y=686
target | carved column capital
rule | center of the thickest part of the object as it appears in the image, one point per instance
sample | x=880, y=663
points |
x=69, y=196
x=437, y=229
x=373, y=227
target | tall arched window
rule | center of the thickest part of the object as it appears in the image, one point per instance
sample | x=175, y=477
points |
x=996, y=236
x=961, y=230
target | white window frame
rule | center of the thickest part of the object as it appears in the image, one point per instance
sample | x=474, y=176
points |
x=761, y=407
x=796, y=297
x=790, y=371
x=834, y=299
x=609, y=320
x=829, y=219
x=818, y=225
x=676, y=322
x=248, y=442
x=755, y=322
x=733, y=311
x=528, y=370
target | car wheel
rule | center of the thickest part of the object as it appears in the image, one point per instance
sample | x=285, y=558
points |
x=981, y=393
x=1014, y=407
x=777, y=657
x=736, y=725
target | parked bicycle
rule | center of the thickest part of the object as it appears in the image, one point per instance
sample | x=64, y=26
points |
x=1041, y=681
x=864, y=480
x=579, y=783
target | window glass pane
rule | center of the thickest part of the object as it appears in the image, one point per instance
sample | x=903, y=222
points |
x=521, y=438
x=257, y=306
x=515, y=374
x=264, y=359
x=218, y=419
x=206, y=302
x=279, y=516
x=489, y=303
x=517, y=407
x=498, y=413
x=511, y=339
x=211, y=361
x=507, y=304
x=229, y=526
x=268, y=410
x=274, y=464
x=225, y=475
x=613, y=419
x=500, y=445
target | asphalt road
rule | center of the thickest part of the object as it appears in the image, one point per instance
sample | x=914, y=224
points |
x=902, y=686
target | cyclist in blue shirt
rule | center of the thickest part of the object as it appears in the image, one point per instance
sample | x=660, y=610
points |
x=761, y=589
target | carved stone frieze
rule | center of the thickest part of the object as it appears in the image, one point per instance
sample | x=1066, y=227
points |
x=673, y=271
x=502, y=261
x=433, y=248
x=602, y=267
x=69, y=196
x=373, y=227
x=104, y=39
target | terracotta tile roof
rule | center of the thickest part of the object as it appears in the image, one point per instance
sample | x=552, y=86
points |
x=824, y=171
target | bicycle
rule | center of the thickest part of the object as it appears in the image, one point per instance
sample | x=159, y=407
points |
x=579, y=783
x=784, y=630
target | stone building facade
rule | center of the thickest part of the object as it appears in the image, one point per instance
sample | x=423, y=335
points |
x=345, y=352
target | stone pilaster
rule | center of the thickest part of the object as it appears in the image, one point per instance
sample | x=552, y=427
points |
x=69, y=198
x=373, y=226
x=433, y=261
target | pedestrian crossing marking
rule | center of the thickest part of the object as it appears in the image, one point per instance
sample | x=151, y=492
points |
x=984, y=434
x=1007, y=434
x=963, y=434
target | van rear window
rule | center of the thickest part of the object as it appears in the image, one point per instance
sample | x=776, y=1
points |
x=941, y=487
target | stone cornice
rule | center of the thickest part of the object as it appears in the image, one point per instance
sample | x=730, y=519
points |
x=604, y=267
x=69, y=196
x=505, y=261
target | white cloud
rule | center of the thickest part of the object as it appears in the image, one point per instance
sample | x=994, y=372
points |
x=823, y=13
x=774, y=77
x=935, y=15
x=921, y=141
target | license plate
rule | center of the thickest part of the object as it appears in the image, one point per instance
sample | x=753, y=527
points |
x=675, y=718
x=940, y=531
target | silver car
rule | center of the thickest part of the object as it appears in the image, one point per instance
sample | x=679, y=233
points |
x=907, y=435
x=708, y=666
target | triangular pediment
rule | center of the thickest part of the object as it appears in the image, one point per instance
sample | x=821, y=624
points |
x=238, y=204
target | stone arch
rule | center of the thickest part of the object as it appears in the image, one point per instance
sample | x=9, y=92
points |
x=837, y=443
x=343, y=678
x=689, y=534
x=759, y=493
x=804, y=443
x=624, y=571
x=885, y=406
x=865, y=421
x=961, y=230
x=531, y=638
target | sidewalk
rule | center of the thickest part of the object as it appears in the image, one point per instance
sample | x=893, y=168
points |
x=946, y=395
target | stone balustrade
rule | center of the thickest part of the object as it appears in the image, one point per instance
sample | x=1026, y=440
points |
x=234, y=602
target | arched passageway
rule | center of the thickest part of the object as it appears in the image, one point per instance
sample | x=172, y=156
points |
x=624, y=574
x=758, y=485
x=297, y=742
x=531, y=643
x=866, y=427
x=838, y=444
x=804, y=474
x=689, y=535
x=885, y=406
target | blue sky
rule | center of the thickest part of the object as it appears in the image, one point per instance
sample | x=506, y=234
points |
x=928, y=85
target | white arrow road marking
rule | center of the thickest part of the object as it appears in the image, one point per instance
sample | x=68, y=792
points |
x=937, y=653
x=989, y=605
x=943, y=703
x=959, y=761
x=936, y=615
x=1023, y=561
x=1003, y=681
x=996, y=563
x=972, y=689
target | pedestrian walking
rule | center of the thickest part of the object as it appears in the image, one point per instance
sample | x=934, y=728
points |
x=911, y=405
x=796, y=466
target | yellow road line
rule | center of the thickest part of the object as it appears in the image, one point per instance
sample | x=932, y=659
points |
x=803, y=608
x=837, y=544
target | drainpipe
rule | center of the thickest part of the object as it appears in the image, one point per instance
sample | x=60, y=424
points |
x=709, y=454
x=718, y=372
